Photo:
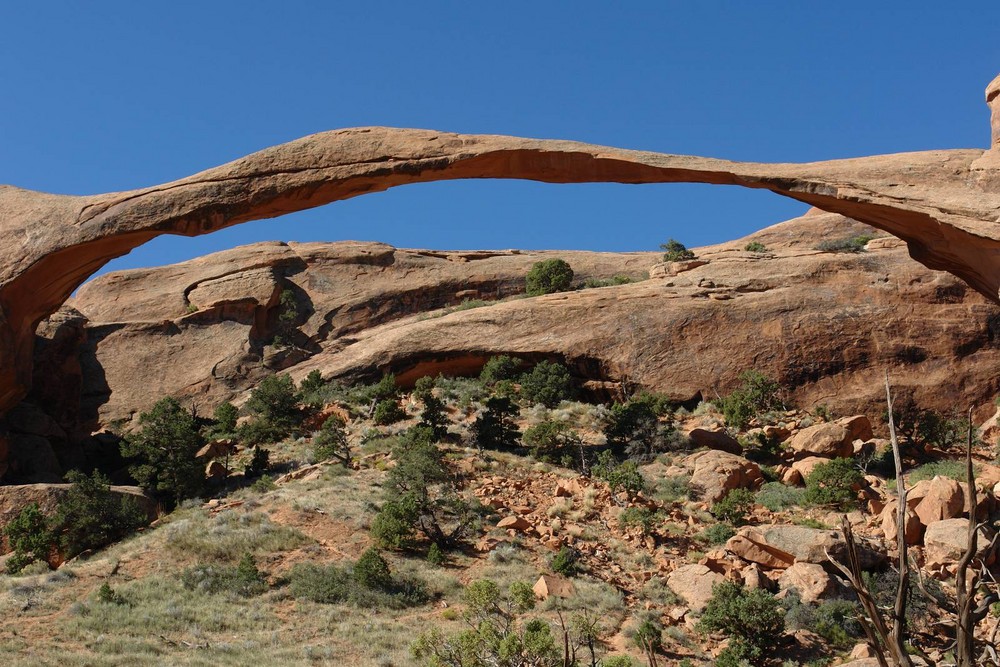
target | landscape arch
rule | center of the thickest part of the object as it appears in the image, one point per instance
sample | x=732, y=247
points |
x=945, y=204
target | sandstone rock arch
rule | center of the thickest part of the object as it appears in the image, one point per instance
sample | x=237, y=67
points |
x=944, y=204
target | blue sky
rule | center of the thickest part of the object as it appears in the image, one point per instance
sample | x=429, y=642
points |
x=107, y=96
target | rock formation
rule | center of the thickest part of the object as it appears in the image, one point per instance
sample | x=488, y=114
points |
x=944, y=204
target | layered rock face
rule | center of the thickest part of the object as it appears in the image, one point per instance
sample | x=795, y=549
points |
x=944, y=204
x=826, y=325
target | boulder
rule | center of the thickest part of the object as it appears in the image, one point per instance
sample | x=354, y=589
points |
x=751, y=546
x=715, y=439
x=806, y=465
x=942, y=498
x=810, y=580
x=858, y=427
x=717, y=473
x=552, y=585
x=945, y=541
x=783, y=545
x=914, y=530
x=518, y=523
x=693, y=583
x=827, y=440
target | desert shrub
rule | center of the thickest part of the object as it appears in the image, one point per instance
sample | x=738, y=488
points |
x=275, y=400
x=642, y=517
x=619, y=279
x=288, y=315
x=919, y=608
x=648, y=636
x=29, y=537
x=383, y=390
x=163, y=452
x=497, y=632
x=388, y=412
x=832, y=483
x=671, y=489
x=619, y=476
x=92, y=516
x=717, y=533
x=313, y=382
x=243, y=579
x=433, y=415
x=435, y=555
x=734, y=506
x=230, y=532
x=331, y=442
x=225, y=416
x=547, y=383
x=849, y=244
x=260, y=461
x=633, y=428
x=548, y=276
x=836, y=621
x=752, y=619
x=552, y=441
x=108, y=595
x=775, y=496
x=618, y=661
x=566, y=562
x=500, y=368
x=951, y=469
x=367, y=584
x=422, y=495
x=755, y=246
x=495, y=428
x=675, y=251
x=756, y=395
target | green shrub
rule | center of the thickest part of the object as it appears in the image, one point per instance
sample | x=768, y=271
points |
x=674, y=251
x=433, y=416
x=548, y=276
x=225, y=416
x=331, y=442
x=496, y=635
x=312, y=382
x=495, y=428
x=775, y=496
x=752, y=619
x=734, y=507
x=832, y=483
x=500, y=368
x=372, y=571
x=717, y=533
x=388, y=412
x=547, y=383
x=756, y=395
x=619, y=279
x=244, y=579
x=435, y=555
x=643, y=517
x=163, y=451
x=755, y=246
x=552, y=441
x=566, y=562
x=618, y=661
x=422, y=495
x=288, y=316
x=375, y=588
x=850, y=244
x=29, y=537
x=259, y=463
x=619, y=476
x=108, y=595
x=648, y=636
x=92, y=516
x=951, y=469
x=275, y=401
x=836, y=621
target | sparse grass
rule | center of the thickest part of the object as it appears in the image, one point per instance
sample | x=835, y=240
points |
x=229, y=534
x=775, y=496
x=951, y=469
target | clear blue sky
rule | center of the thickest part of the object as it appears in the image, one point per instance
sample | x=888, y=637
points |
x=106, y=96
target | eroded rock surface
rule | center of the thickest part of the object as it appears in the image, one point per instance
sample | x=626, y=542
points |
x=944, y=204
